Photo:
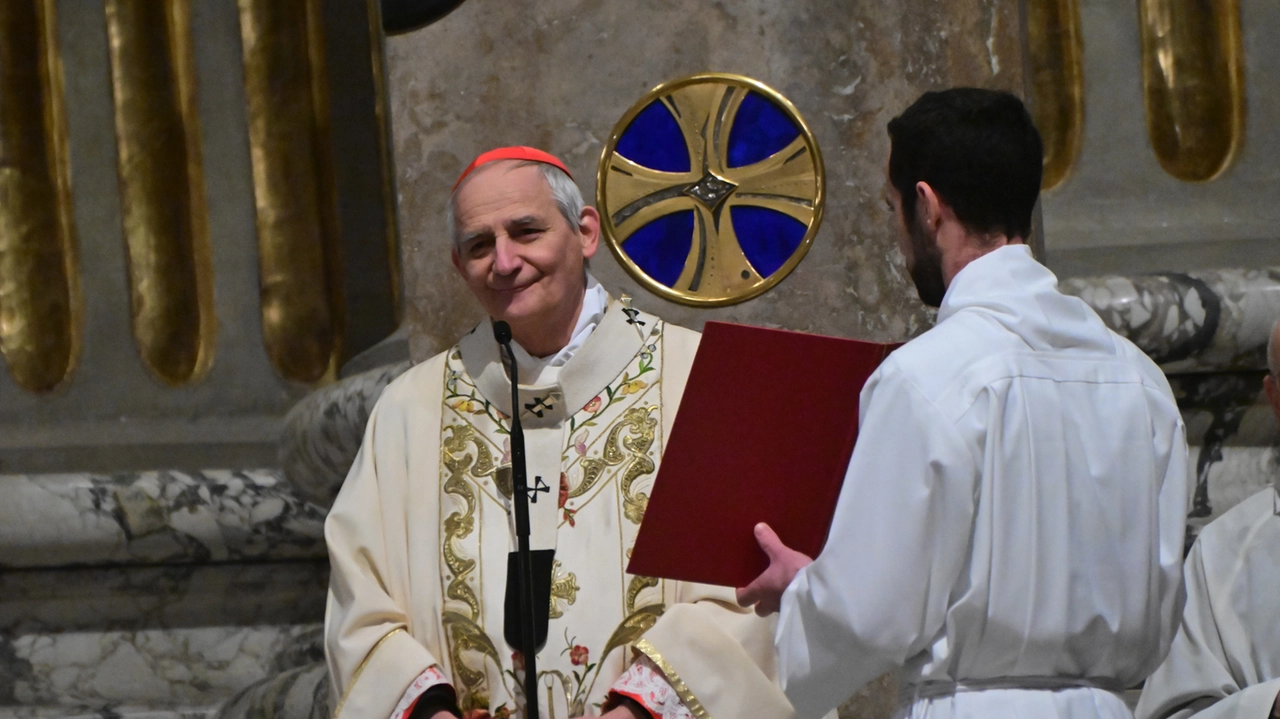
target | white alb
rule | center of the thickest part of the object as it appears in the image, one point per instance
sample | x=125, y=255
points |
x=1010, y=530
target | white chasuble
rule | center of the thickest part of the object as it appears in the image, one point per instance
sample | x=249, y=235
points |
x=420, y=535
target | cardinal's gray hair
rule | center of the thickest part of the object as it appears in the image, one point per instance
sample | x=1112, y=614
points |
x=565, y=191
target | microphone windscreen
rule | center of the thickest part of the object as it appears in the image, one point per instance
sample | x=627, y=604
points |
x=501, y=332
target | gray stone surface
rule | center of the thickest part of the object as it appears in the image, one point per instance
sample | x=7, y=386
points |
x=392, y=349
x=111, y=711
x=559, y=74
x=196, y=666
x=301, y=693
x=45, y=602
x=1233, y=437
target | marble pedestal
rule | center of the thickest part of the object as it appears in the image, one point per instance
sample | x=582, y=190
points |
x=154, y=594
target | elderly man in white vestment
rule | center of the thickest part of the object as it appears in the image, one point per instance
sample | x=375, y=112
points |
x=1011, y=525
x=1225, y=659
x=420, y=534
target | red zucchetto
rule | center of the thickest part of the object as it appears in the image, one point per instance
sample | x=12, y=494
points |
x=517, y=152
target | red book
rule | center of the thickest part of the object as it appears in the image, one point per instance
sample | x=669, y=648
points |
x=764, y=434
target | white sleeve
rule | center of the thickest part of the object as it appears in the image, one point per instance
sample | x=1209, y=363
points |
x=366, y=627
x=879, y=591
x=1195, y=676
x=1254, y=702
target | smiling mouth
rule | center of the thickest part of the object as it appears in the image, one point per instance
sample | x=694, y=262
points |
x=511, y=290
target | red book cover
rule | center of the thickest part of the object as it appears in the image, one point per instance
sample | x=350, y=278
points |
x=764, y=433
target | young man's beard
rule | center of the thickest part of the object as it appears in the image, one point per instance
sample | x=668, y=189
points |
x=926, y=271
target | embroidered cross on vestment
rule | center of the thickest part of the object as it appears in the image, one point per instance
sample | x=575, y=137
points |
x=537, y=405
x=538, y=486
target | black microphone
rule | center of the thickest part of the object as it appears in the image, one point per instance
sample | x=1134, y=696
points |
x=502, y=333
x=527, y=603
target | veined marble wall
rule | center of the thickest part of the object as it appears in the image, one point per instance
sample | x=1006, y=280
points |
x=559, y=74
x=154, y=594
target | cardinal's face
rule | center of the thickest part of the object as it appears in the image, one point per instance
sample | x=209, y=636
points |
x=519, y=256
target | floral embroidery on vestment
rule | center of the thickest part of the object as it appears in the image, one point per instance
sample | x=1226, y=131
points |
x=608, y=459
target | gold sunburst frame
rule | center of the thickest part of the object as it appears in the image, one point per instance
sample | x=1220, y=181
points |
x=791, y=181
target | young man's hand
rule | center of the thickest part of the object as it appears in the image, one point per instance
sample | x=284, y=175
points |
x=765, y=592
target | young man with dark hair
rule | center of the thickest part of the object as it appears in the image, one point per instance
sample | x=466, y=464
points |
x=1010, y=529
x=977, y=149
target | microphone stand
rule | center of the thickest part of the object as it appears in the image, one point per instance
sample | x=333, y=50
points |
x=524, y=560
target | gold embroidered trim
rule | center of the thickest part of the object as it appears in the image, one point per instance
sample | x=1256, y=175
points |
x=682, y=690
x=643, y=425
x=459, y=525
x=632, y=449
x=638, y=584
x=466, y=636
x=628, y=632
x=463, y=632
x=355, y=677
x=564, y=587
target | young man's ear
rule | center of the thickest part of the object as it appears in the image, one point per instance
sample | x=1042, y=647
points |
x=928, y=206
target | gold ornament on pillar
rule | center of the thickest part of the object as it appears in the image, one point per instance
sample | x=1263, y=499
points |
x=1193, y=82
x=293, y=178
x=1057, y=83
x=39, y=284
x=166, y=225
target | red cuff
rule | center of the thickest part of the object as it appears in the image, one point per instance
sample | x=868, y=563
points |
x=430, y=679
x=635, y=698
